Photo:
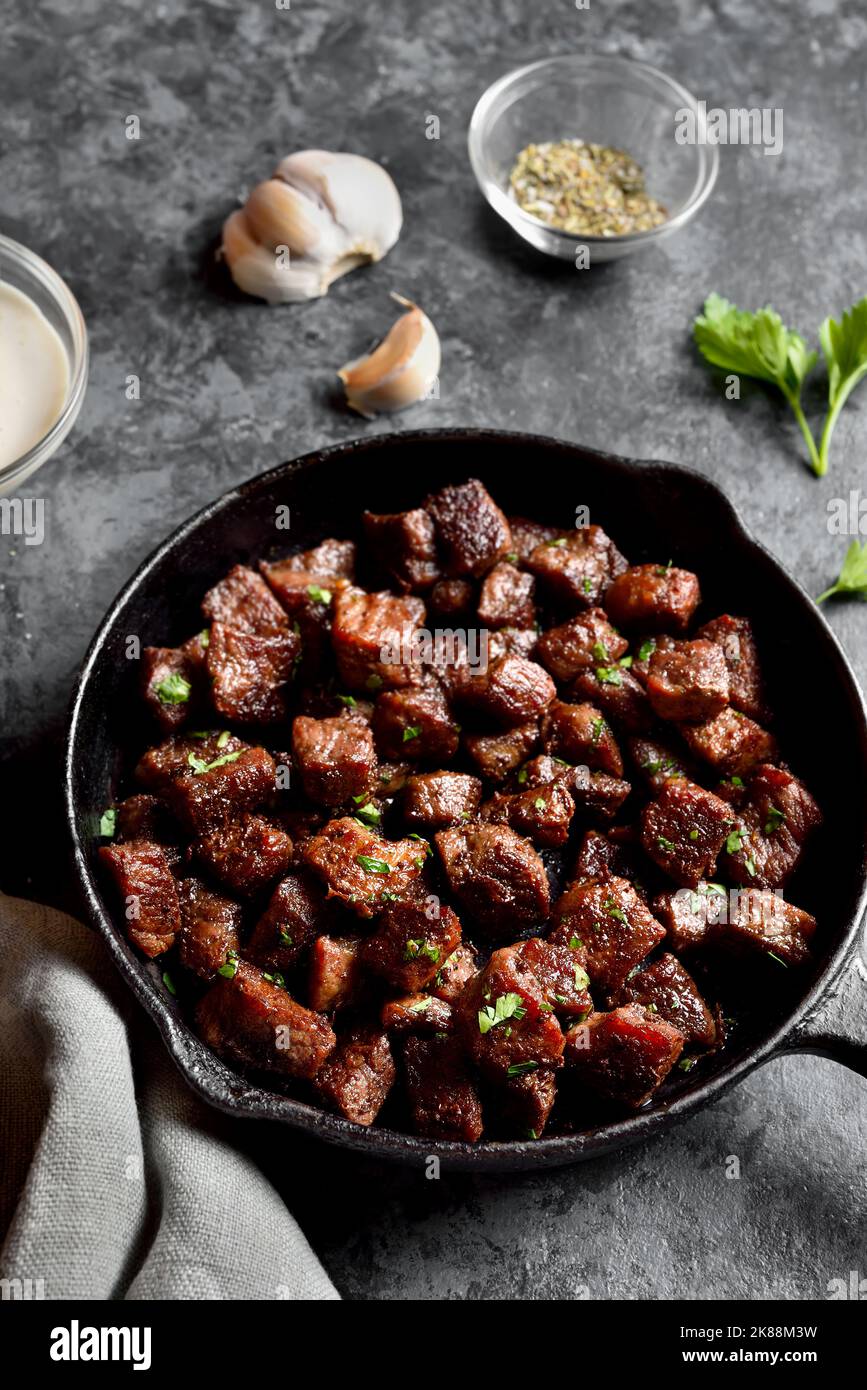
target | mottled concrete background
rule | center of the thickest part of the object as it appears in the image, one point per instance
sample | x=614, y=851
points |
x=229, y=387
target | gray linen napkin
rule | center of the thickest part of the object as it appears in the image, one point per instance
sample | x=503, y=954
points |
x=115, y=1181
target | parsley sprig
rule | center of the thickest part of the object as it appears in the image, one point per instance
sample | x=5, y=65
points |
x=853, y=575
x=844, y=346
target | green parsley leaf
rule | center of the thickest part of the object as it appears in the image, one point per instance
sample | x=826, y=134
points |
x=600, y=651
x=275, y=979
x=522, y=776
x=169, y=983
x=734, y=842
x=372, y=866
x=575, y=943
x=518, y=1068
x=608, y=675
x=582, y=979
x=693, y=834
x=853, y=575
x=319, y=595
x=108, y=823
x=229, y=968
x=348, y=700
x=174, y=690
x=597, y=729
x=539, y=803
x=558, y=543
x=512, y=558
x=418, y=1004
x=778, y=959
x=199, y=765
x=646, y=650
x=687, y=1063
x=414, y=949
x=614, y=911
x=411, y=731
x=369, y=814
x=285, y=937
x=665, y=844
x=774, y=821
x=505, y=1006
x=373, y=681
x=844, y=346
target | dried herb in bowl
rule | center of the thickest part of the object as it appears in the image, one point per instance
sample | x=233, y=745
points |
x=586, y=189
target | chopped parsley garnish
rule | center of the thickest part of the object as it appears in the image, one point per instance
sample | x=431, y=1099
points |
x=774, y=821
x=735, y=842
x=108, y=822
x=625, y=661
x=558, y=543
x=778, y=959
x=169, y=983
x=411, y=731
x=418, y=1004
x=422, y=841
x=229, y=968
x=750, y=865
x=205, y=637
x=608, y=675
x=285, y=937
x=223, y=739
x=587, y=585
x=275, y=979
x=687, y=1063
x=518, y=1068
x=600, y=651
x=319, y=595
x=512, y=558
x=372, y=866
x=373, y=681
x=575, y=943
x=506, y=1006
x=174, y=690
x=693, y=834
x=348, y=700
x=597, y=729
x=613, y=910
x=665, y=845
x=646, y=650
x=414, y=949
x=539, y=803
x=582, y=979
x=369, y=814
x=199, y=765
x=522, y=776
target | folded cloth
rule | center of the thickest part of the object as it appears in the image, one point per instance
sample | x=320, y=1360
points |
x=115, y=1181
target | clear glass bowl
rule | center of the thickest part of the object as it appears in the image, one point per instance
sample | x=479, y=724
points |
x=27, y=272
x=604, y=100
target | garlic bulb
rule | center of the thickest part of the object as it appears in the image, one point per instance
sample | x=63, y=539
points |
x=321, y=215
x=401, y=369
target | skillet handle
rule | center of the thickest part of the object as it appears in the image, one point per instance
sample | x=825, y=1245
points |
x=837, y=1026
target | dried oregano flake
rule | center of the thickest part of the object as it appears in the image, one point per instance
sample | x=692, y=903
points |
x=590, y=190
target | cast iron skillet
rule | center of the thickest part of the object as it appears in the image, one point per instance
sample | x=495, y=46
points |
x=654, y=511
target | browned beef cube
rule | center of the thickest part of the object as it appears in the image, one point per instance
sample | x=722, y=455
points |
x=210, y=924
x=246, y=854
x=392, y=777
x=623, y=1056
x=442, y=1096
x=576, y=569
x=334, y=973
x=471, y=530
x=761, y=920
x=684, y=829
x=244, y=602
x=774, y=824
x=496, y=874
x=212, y=793
x=526, y=1100
x=511, y=691
x=358, y=1075
x=731, y=742
x=143, y=817
x=496, y=755
x=585, y=642
x=579, y=734
x=512, y=641
x=177, y=756
x=372, y=635
x=526, y=535
x=415, y=723
x=734, y=636
x=452, y=598
x=653, y=598
x=173, y=681
x=328, y=557
x=504, y=1019
x=689, y=681
x=666, y=989
x=404, y=546
x=562, y=976
x=543, y=814
x=658, y=761
x=363, y=869
x=599, y=795
x=617, y=693
x=251, y=1021
x=335, y=757
x=417, y=1013
x=143, y=877
x=294, y=915
x=606, y=918
x=506, y=597
x=600, y=857
x=250, y=674
x=410, y=944
x=452, y=976
x=308, y=598
x=644, y=648
x=688, y=914
x=434, y=800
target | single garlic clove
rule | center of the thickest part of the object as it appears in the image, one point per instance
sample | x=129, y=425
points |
x=401, y=369
x=278, y=215
x=267, y=274
x=359, y=194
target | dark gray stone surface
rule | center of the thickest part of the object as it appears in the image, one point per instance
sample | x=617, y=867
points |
x=229, y=387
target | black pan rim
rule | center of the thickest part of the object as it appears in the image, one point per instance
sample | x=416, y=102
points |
x=236, y=1097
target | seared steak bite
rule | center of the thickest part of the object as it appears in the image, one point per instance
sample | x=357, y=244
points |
x=584, y=642
x=506, y=597
x=179, y=755
x=210, y=925
x=734, y=637
x=657, y=762
x=453, y=974
x=689, y=681
x=335, y=757
x=619, y=696
x=608, y=920
x=415, y=723
x=372, y=635
x=595, y=794
x=173, y=681
x=410, y=943
x=666, y=989
x=144, y=817
x=249, y=674
x=688, y=914
x=496, y=755
x=243, y=601
x=653, y=598
x=600, y=857
x=684, y=829
x=212, y=792
x=761, y=920
x=527, y=1100
x=543, y=814
x=496, y=875
x=434, y=800
x=471, y=530
x=574, y=570
x=333, y=973
x=358, y=1075
x=511, y=691
x=308, y=598
x=731, y=742
x=363, y=869
x=247, y=1019
x=442, y=1095
x=295, y=914
x=526, y=535
x=404, y=545
x=417, y=1013
x=330, y=556
x=246, y=854
x=143, y=878
x=580, y=734
x=561, y=974
x=504, y=1020
x=623, y=1056
x=773, y=825
x=452, y=598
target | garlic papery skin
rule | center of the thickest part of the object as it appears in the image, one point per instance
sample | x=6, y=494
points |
x=321, y=215
x=401, y=369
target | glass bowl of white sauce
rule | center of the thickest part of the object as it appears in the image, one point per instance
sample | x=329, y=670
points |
x=43, y=362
